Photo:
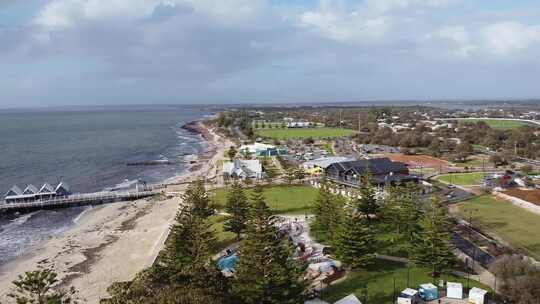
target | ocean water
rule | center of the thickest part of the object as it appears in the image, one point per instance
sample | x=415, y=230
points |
x=88, y=148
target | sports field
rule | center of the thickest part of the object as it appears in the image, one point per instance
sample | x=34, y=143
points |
x=500, y=124
x=462, y=179
x=304, y=133
x=281, y=199
x=515, y=225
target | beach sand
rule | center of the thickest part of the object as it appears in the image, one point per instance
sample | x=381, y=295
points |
x=113, y=242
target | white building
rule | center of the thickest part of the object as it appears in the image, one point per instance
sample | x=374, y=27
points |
x=243, y=169
x=323, y=162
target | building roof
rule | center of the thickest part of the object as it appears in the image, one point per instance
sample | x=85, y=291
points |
x=239, y=166
x=375, y=166
x=254, y=148
x=14, y=191
x=46, y=188
x=324, y=162
x=350, y=299
x=62, y=185
x=30, y=189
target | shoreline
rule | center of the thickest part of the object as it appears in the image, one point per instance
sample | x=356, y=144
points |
x=113, y=242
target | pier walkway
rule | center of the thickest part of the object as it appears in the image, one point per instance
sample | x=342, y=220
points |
x=78, y=200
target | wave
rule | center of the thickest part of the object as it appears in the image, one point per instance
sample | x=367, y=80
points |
x=75, y=220
x=17, y=222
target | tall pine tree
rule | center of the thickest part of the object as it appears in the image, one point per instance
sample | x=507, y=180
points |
x=237, y=206
x=355, y=242
x=367, y=203
x=197, y=198
x=410, y=211
x=186, y=258
x=266, y=272
x=328, y=211
x=432, y=247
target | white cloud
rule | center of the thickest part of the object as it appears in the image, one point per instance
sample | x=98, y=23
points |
x=59, y=14
x=337, y=23
x=396, y=5
x=457, y=38
x=506, y=38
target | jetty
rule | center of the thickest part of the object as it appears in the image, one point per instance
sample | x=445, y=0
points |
x=158, y=162
x=75, y=200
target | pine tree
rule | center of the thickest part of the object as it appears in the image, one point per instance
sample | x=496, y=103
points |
x=411, y=211
x=186, y=258
x=367, y=203
x=189, y=247
x=197, y=199
x=266, y=273
x=38, y=287
x=328, y=211
x=432, y=247
x=355, y=242
x=238, y=207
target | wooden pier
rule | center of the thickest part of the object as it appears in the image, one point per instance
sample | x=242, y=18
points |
x=78, y=200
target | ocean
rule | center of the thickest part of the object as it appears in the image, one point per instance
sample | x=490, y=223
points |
x=88, y=148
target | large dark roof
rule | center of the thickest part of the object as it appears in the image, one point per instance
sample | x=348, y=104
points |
x=375, y=166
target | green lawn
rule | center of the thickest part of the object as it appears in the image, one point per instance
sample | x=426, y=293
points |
x=281, y=199
x=475, y=161
x=500, y=124
x=379, y=281
x=223, y=238
x=462, y=179
x=515, y=225
x=304, y=133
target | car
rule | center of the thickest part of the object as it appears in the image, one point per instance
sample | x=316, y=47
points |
x=450, y=186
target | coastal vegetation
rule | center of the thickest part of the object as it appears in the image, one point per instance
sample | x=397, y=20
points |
x=517, y=226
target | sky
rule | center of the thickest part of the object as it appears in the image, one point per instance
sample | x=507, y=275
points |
x=100, y=52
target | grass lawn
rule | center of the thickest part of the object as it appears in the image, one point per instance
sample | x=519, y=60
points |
x=224, y=238
x=515, y=225
x=281, y=199
x=501, y=124
x=380, y=282
x=463, y=179
x=476, y=161
x=304, y=133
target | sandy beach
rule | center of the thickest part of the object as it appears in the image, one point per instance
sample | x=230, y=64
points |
x=113, y=242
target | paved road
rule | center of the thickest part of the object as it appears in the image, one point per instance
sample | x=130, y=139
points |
x=472, y=250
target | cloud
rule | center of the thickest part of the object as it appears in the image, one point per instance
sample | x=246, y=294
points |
x=100, y=51
x=505, y=38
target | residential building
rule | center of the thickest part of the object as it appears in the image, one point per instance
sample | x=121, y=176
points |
x=240, y=168
x=382, y=171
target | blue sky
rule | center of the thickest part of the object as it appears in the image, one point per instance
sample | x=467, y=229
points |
x=71, y=52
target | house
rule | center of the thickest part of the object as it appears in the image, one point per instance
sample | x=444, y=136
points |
x=30, y=189
x=298, y=124
x=382, y=171
x=31, y=193
x=243, y=169
x=62, y=189
x=260, y=149
x=46, y=191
